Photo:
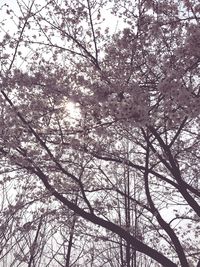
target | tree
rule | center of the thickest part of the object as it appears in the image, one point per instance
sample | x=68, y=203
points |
x=126, y=157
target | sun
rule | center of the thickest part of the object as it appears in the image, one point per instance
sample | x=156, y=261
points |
x=72, y=110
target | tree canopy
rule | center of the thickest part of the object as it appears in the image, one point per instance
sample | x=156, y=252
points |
x=100, y=133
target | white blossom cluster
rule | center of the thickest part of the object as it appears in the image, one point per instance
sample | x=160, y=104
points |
x=128, y=108
x=178, y=98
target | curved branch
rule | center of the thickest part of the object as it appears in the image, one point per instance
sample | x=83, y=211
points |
x=45, y=147
x=93, y=33
x=165, y=226
x=138, y=245
x=175, y=171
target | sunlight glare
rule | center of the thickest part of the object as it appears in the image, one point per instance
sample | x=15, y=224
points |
x=72, y=110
